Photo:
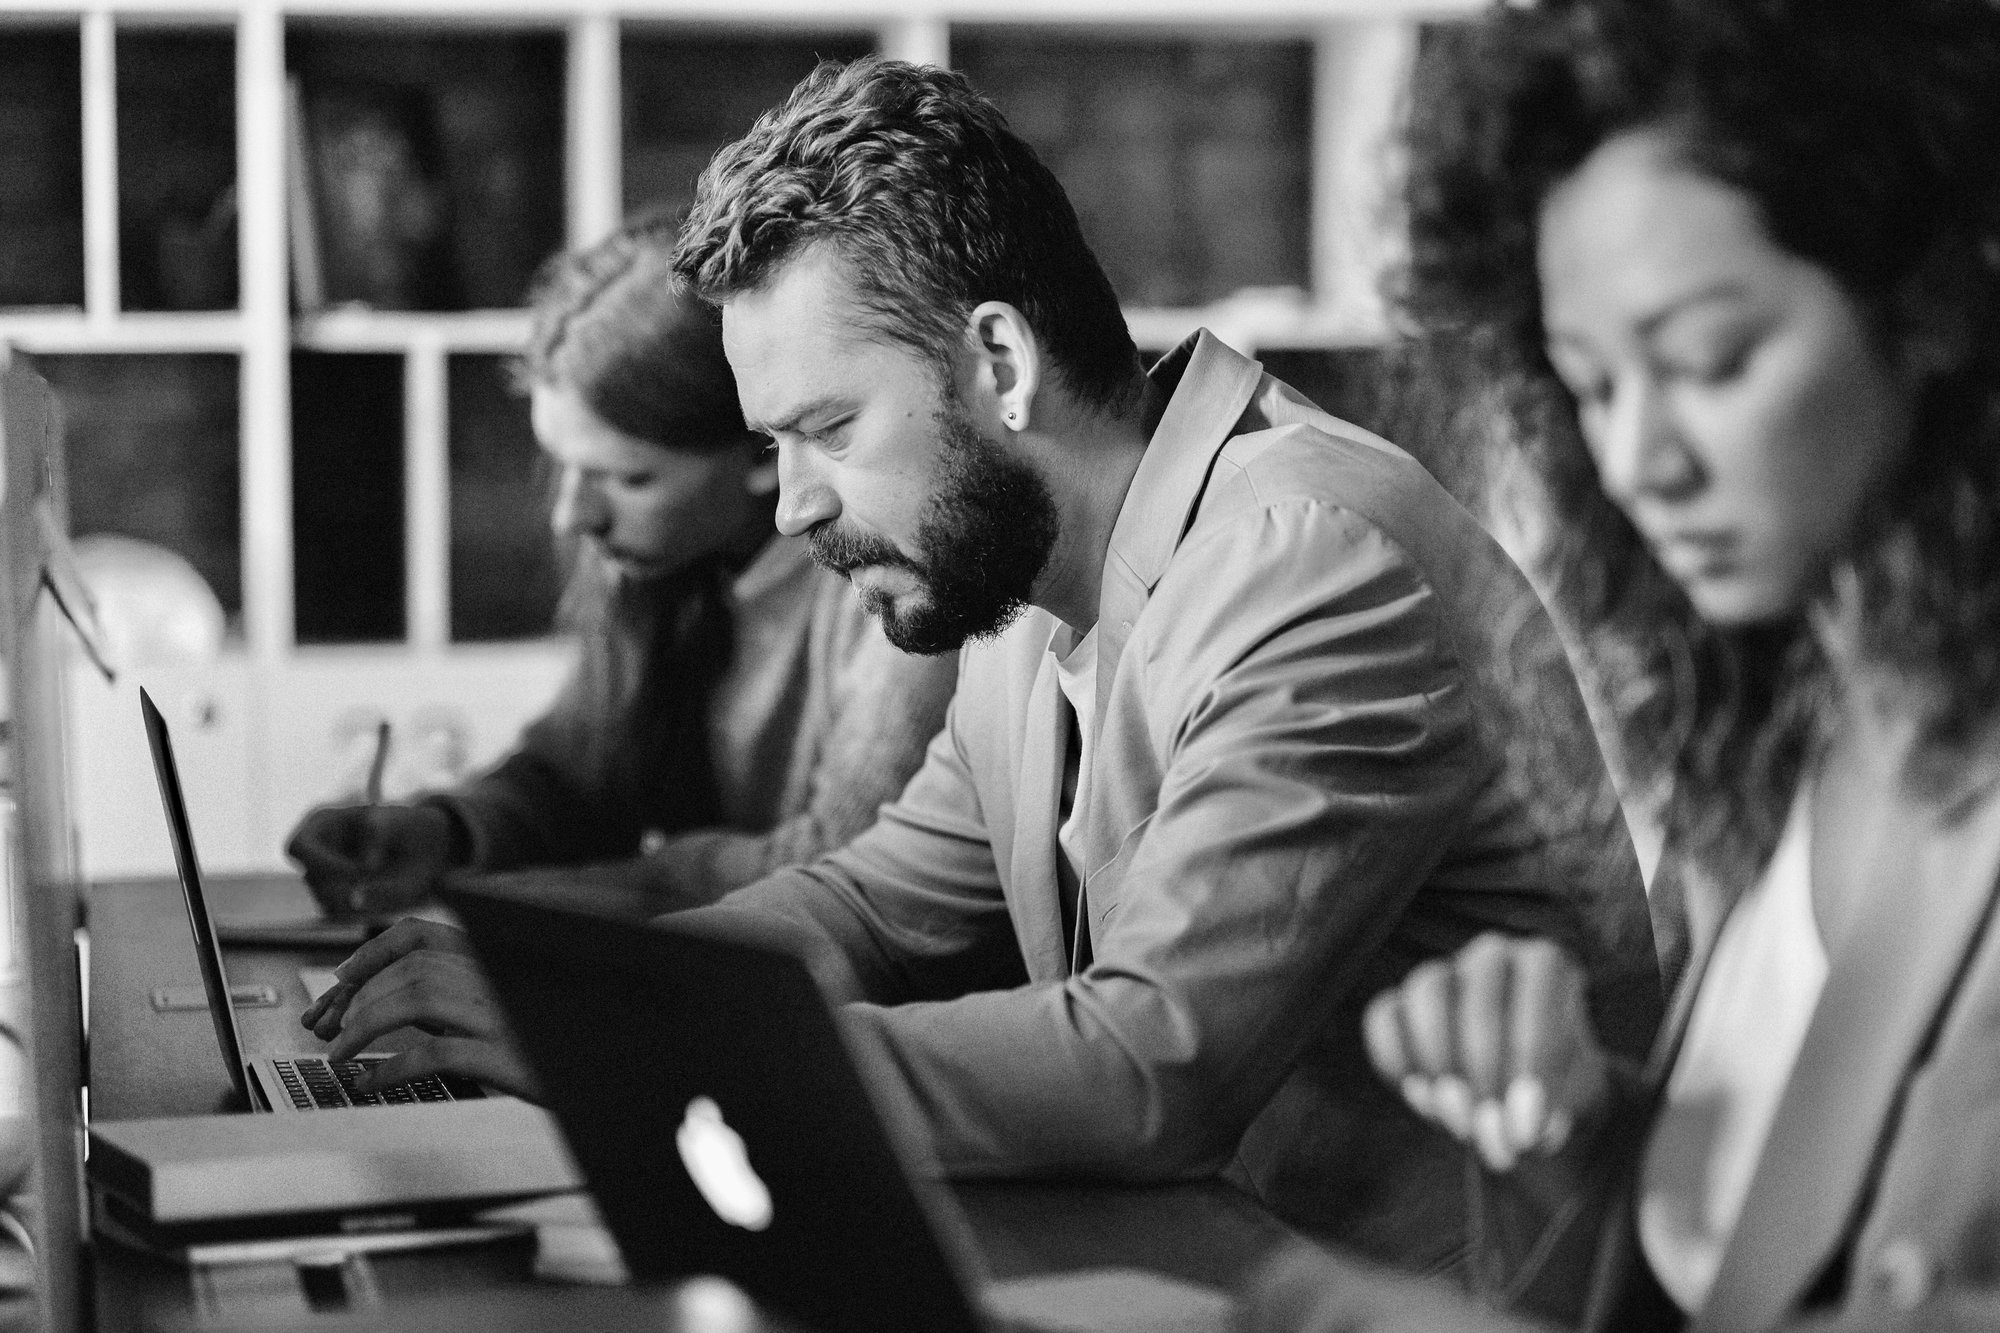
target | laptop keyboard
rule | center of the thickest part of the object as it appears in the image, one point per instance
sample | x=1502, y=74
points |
x=314, y=1084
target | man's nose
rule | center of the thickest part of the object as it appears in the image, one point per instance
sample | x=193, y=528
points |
x=805, y=500
x=579, y=509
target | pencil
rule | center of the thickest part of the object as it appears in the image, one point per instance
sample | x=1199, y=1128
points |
x=373, y=792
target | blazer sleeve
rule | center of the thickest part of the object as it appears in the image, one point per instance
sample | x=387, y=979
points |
x=913, y=906
x=1318, y=759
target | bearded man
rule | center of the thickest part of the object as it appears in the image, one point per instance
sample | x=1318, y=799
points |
x=1232, y=746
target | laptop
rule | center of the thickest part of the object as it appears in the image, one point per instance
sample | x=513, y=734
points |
x=283, y=1083
x=726, y=1128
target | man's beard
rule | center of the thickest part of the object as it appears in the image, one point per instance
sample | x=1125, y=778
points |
x=981, y=544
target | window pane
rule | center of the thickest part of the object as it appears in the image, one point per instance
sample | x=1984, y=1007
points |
x=347, y=497
x=151, y=447
x=437, y=163
x=41, y=167
x=504, y=574
x=687, y=94
x=177, y=170
x=1188, y=160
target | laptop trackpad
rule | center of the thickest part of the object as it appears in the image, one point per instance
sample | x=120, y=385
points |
x=1109, y=1300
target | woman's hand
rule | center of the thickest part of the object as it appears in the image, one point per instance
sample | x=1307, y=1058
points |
x=1494, y=1044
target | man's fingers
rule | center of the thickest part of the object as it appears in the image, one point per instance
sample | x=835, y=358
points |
x=492, y=1061
x=434, y=993
x=327, y=1011
x=399, y=941
x=427, y=1009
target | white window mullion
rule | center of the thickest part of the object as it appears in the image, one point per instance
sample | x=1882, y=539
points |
x=595, y=141
x=264, y=253
x=921, y=39
x=427, y=495
x=1360, y=70
x=100, y=167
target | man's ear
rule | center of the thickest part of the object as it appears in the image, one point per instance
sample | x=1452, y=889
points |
x=1008, y=364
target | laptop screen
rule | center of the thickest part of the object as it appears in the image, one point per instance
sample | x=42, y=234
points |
x=207, y=950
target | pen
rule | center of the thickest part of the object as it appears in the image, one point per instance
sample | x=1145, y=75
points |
x=372, y=793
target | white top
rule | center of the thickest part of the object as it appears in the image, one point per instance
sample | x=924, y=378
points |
x=1743, y=1038
x=1076, y=672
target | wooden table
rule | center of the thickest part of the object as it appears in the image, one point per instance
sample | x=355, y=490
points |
x=145, y=1063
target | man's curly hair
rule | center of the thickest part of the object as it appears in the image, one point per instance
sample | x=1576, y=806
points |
x=934, y=205
x=1868, y=136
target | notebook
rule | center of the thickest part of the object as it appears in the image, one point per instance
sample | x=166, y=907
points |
x=289, y=1082
x=725, y=1128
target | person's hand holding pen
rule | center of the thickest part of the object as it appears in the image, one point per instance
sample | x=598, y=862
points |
x=373, y=858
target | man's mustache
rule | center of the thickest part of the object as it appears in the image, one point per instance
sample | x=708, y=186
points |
x=843, y=552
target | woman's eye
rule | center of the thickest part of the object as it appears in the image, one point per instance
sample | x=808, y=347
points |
x=1707, y=368
x=636, y=480
x=1715, y=357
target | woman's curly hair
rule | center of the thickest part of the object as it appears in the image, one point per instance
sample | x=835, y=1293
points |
x=1868, y=136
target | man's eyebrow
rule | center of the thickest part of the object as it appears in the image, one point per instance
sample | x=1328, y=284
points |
x=803, y=412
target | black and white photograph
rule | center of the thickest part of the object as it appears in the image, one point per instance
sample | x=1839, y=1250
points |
x=1000, y=666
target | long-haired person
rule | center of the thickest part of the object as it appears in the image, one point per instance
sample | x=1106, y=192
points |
x=735, y=709
x=1734, y=270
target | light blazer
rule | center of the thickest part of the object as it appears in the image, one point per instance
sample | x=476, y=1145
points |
x=1305, y=779
x=1879, y=1186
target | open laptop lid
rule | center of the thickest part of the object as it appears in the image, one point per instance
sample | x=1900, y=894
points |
x=708, y=1095
x=207, y=950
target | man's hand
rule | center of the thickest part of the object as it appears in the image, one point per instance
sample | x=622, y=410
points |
x=372, y=858
x=419, y=974
x=1494, y=1044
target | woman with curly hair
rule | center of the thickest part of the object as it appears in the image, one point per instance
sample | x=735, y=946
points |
x=735, y=709
x=1730, y=271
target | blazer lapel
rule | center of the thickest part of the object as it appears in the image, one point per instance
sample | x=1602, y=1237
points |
x=1897, y=967
x=1211, y=387
x=1044, y=747
x=1623, y=1296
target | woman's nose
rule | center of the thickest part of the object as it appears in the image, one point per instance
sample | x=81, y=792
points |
x=1640, y=448
x=579, y=509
